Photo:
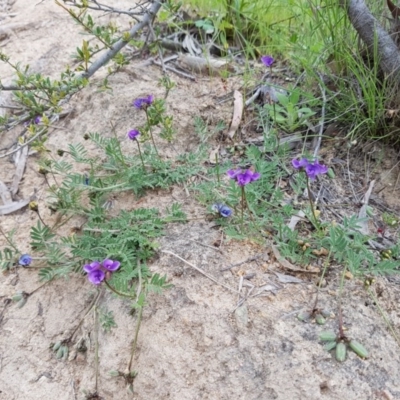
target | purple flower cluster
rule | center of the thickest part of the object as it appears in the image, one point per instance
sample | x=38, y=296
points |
x=143, y=102
x=133, y=134
x=243, y=177
x=37, y=120
x=312, y=169
x=97, y=271
x=267, y=61
x=222, y=209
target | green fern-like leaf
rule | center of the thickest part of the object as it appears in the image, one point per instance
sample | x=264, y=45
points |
x=79, y=153
x=40, y=235
x=46, y=274
x=6, y=258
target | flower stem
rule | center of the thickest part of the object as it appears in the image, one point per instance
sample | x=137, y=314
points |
x=151, y=133
x=136, y=337
x=243, y=203
x=312, y=204
x=140, y=153
x=9, y=240
x=217, y=167
x=118, y=292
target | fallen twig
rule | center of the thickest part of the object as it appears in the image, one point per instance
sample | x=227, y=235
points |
x=200, y=270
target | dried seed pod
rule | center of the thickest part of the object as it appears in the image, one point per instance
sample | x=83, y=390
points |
x=326, y=313
x=358, y=348
x=56, y=346
x=17, y=297
x=60, y=352
x=65, y=353
x=22, y=302
x=331, y=173
x=327, y=336
x=341, y=350
x=320, y=320
x=330, y=346
x=304, y=316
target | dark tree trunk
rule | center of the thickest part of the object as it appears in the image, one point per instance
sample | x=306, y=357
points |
x=372, y=34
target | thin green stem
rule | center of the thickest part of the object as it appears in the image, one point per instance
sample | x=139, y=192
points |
x=312, y=204
x=9, y=240
x=340, y=315
x=217, y=167
x=96, y=351
x=326, y=263
x=384, y=316
x=136, y=337
x=151, y=133
x=92, y=304
x=243, y=204
x=140, y=153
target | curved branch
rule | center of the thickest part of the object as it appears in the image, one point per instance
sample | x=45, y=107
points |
x=375, y=37
x=102, y=60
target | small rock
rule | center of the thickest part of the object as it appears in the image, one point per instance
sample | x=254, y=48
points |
x=242, y=317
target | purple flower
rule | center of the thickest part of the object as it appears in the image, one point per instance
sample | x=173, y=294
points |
x=222, y=209
x=97, y=271
x=267, y=60
x=300, y=164
x=96, y=277
x=25, y=260
x=243, y=177
x=111, y=265
x=133, y=134
x=312, y=169
x=94, y=266
x=143, y=102
x=37, y=120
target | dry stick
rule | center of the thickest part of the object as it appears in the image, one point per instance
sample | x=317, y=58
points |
x=200, y=270
x=321, y=127
x=251, y=259
x=206, y=245
x=107, y=9
x=176, y=71
x=109, y=54
x=160, y=55
x=102, y=60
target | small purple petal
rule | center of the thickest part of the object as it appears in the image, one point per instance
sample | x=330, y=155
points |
x=247, y=177
x=94, y=266
x=300, y=164
x=222, y=209
x=133, y=134
x=149, y=99
x=37, y=120
x=96, y=277
x=244, y=178
x=25, y=260
x=233, y=173
x=138, y=103
x=143, y=102
x=225, y=211
x=255, y=176
x=267, y=60
x=315, y=169
x=111, y=265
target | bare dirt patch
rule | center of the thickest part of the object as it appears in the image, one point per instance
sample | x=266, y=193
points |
x=194, y=342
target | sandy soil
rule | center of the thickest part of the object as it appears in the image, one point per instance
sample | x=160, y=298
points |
x=194, y=342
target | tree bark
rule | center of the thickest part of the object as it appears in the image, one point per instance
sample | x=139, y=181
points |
x=373, y=35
